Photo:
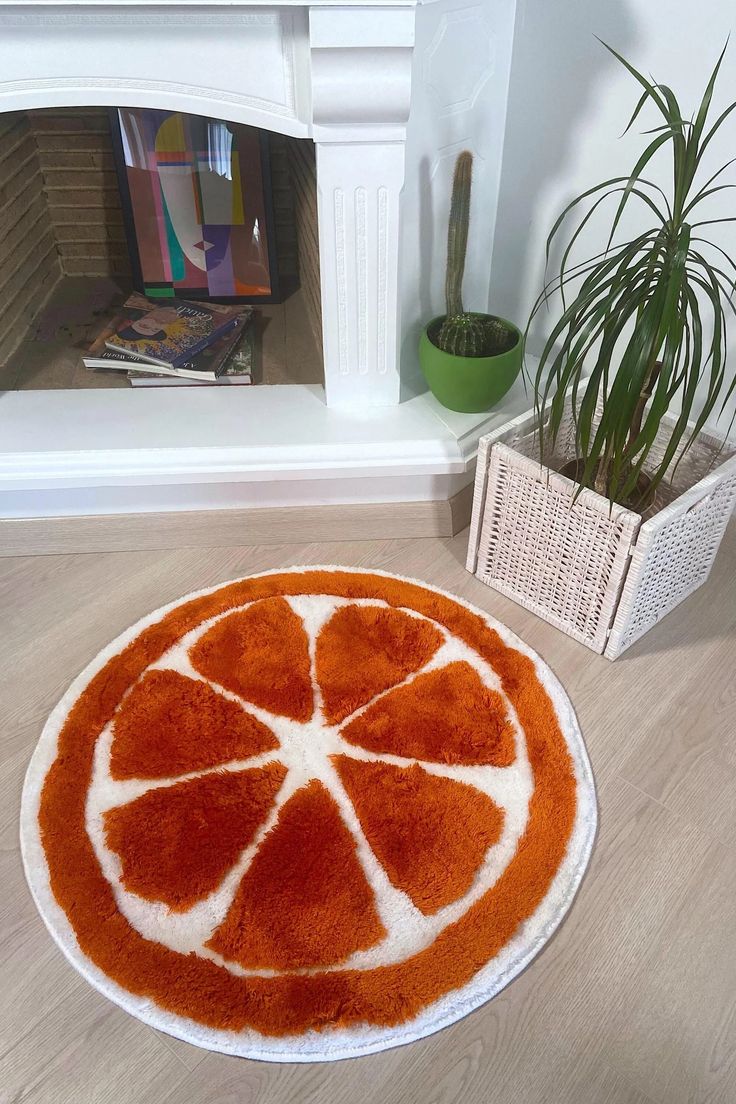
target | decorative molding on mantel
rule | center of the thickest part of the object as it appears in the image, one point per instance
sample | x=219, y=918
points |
x=261, y=60
x=361, y=78
x=361, y=73
x=359, y=188
x=121, y=85
x=99, y=15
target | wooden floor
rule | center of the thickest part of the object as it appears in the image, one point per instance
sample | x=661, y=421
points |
x=633, y=1001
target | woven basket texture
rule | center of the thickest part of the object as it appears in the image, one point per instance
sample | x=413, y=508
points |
x=672, y=557
x=601, y=573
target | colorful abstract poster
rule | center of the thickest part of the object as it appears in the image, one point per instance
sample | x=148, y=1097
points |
x=196, y=195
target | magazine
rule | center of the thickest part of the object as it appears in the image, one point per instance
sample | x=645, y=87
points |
x=151, y=379
x=206, y=366
x=236, y=371
x=171, y=332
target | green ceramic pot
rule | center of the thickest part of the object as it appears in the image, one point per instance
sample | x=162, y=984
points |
x=468, y=384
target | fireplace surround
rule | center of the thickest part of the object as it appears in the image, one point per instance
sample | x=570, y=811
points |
x=389, y=93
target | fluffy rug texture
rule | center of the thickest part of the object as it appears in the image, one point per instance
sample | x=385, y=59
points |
x=309, y=814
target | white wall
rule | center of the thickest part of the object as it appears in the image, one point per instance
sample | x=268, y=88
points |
x=569, y=101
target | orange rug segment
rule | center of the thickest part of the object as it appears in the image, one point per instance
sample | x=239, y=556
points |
x=177, y=843
x=305, y=900
x=363, y=650
x=430, y=834
x=445, y=716
x=261, y=654
x=170, y=724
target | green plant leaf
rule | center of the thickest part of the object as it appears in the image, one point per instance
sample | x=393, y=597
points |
x=647, y=85
x=699, y=196
x=715, y=128
x=634, y=191
x=644, y=160
x=643, y=99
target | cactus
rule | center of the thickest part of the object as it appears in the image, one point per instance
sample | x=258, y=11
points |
x=461, y=333
x=457, y=233
x=499, y=337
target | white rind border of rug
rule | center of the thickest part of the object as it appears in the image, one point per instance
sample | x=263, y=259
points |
x=345, y=1043
x=98, y=452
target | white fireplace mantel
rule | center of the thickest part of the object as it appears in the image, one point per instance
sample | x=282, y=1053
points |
x=389, y=92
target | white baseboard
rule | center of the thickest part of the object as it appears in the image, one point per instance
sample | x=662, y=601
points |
x=50, y=536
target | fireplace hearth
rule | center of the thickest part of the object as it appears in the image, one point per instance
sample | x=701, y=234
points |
x=65, y=266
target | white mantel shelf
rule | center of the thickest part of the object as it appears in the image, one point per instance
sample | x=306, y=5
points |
x=389, y=91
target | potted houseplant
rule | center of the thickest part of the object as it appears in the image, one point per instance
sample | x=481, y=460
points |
x=620, y=497
x=469, y=359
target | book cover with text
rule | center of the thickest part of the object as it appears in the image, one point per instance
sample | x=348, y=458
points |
x=170, y=333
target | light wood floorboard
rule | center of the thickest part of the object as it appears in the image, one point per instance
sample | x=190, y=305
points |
x=634, y=1000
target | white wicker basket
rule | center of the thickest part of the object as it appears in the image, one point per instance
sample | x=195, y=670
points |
x=603, y=575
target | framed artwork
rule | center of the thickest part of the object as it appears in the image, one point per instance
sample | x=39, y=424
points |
x=196, y=196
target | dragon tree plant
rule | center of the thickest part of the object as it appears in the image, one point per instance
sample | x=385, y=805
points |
x=462, y=333
x=645, y=327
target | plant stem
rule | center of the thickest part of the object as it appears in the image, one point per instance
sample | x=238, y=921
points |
x=645, y=395
x=601, y=476
x=600, y=483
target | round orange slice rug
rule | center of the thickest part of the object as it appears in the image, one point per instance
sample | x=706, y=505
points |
x=308, y=815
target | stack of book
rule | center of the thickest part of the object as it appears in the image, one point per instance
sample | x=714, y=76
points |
x=174, y=342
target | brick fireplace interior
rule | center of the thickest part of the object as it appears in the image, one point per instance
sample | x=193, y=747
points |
x=64, y=264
